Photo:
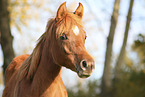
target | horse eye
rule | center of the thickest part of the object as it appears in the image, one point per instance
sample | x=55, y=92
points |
x=63, y=37
x=85, y=37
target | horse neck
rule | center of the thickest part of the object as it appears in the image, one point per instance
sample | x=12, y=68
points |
x=47, y=71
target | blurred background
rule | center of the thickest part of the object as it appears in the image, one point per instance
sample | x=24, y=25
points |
x=115, y=38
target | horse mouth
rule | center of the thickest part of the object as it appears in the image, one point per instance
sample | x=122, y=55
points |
x=82, y=74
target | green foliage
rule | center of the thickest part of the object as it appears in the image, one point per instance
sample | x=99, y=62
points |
x=90, y=90
x=139, y=47
x=130, y=86
x=132, y=81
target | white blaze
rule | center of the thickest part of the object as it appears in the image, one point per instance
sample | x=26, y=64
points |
x=76, y=30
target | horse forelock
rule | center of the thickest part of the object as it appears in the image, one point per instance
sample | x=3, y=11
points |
x=66, y=23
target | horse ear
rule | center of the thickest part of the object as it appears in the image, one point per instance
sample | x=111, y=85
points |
x=61, y=11
x=79, y=10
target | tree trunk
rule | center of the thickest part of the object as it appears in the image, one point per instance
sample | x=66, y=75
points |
x=6, y=37
x=106, y=79
x=120, y=59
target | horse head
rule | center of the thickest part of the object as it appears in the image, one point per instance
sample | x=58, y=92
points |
x=68, y=48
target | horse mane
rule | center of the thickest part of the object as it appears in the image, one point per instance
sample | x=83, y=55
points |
x=30, y=65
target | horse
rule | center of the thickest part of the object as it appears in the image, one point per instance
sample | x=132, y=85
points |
x=62, y=45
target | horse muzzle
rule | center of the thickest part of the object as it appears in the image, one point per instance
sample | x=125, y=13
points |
x=85, y=68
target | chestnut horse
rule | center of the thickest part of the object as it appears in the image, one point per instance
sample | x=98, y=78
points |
x=39, y=75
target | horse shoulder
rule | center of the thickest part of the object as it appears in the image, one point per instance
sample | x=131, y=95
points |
x=14, y=66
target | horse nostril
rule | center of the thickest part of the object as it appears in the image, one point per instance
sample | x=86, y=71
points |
x=84, y=64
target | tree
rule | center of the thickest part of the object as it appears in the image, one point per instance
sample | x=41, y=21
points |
x=14, y=13
x=106, y=79
x=120, y=59
x=6, y=37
